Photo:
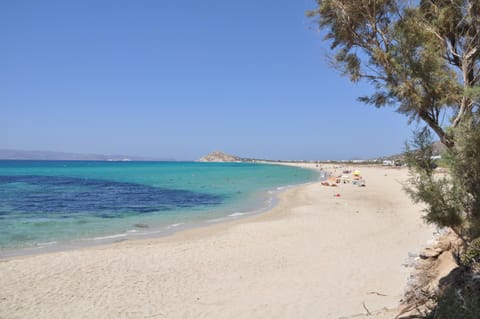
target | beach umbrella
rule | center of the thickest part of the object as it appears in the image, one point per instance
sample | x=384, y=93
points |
x=356, y=173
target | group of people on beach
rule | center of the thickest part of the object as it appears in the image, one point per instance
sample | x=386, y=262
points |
x=347, y=176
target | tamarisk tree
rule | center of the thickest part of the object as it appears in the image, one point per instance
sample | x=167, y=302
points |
x=423, y=58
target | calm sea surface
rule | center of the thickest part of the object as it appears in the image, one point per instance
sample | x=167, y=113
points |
x=48, y=203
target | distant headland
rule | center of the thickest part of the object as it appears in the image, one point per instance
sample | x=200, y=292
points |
x=7, y=154
x=218, y=156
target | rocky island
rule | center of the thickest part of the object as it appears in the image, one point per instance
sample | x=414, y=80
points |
x=218, y=156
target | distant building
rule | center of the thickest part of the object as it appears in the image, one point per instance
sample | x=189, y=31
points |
x=388, y=163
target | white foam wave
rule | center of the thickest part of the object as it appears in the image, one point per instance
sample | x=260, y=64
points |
x=109, y=237
x=237, y=214
x=174, y=225
x=48, y=243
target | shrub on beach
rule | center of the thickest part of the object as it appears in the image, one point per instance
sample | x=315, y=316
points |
x=453, y=199
x=457, y=297
x=423, y=57
x=471, y=257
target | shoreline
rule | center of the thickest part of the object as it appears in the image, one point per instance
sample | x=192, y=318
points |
x=312, y=255
x=154, y=232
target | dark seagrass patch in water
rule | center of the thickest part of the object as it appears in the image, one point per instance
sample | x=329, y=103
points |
x=64, y=197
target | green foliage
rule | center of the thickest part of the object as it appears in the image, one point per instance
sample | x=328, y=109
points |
x=464, y=169
x=471, y=257
x=438, y=192
x=422, y=57
x=458, y=297
x=472, y=93
x=451, y=306
x=453, y=199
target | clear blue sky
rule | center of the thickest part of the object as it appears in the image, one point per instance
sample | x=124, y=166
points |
x=179, y=79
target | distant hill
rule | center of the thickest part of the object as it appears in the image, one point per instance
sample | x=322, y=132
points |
x=218, y=156
x=438, y=149
x=61, y=156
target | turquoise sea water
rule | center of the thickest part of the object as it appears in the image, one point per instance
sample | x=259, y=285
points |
x=48, y=203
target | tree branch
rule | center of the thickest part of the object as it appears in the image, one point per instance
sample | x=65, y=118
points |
x=445, y=138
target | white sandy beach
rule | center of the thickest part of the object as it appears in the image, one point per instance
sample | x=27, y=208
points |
x=314, y=255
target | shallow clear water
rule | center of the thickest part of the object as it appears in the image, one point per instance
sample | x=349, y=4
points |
x=51, y=202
